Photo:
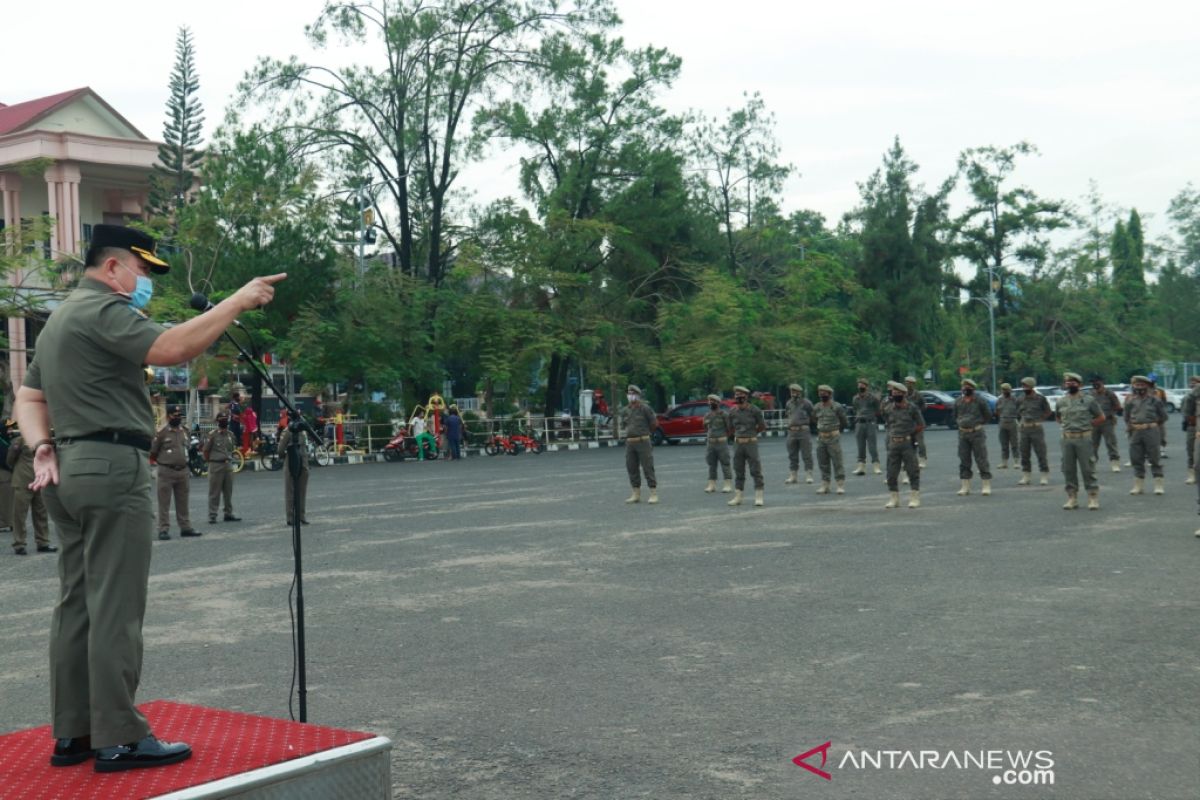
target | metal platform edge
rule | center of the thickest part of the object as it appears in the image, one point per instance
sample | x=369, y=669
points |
x=288, y=772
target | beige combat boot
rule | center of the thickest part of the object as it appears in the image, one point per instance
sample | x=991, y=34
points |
x=808, y=476
x=737, y=499
x=875, y=467
x=1191, y=478
x=1138, y=485
x=894, y=502
x=1094, y=500
x=922, y=462
x=710, y=487
x=860, y=468
x=1159, y=486
x=1116, y=465
x=727, y=486
x=1045, y=481
x=965, y=488
x=987, y=488
x=1026, y=477
x=791, y=478
x=841, y=487
x=824, y=489
x=1072, y=501
x=653, y=497
x=1004, y=464
x=635, y=496
x=914, y=498
x=758, y=498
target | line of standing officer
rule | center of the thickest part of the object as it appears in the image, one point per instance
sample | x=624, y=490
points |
x=170, y=451
x=747, y=422
x=717, y=432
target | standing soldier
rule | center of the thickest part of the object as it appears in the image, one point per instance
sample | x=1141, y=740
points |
x=831, y=421
x=1144, y=418
x=972, y=414
x=1079, y=415
x=747, y=423
x=26, y=500
x=640, y=422
x=903, y=422
x=799, y=441
x=917, y=400
x=1110, y=404
x=1156, y=391
x=285, y=440
x=866, y=414
x=1034, y=410
x=717, y=431
x=218, y=449
x=170, y=450
x=1189, y=427
x=1008, y=410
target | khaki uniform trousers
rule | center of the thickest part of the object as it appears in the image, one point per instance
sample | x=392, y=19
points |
x=1009, y=438
x=287, y=494
x=105, y=520
x=639, y=458
x=1077, y=453
x=973, y=445
x=1033, y=437
x=6, y=499
x=864, y=436
x=220, y=483
x=799, y=443
x=829, y=455
x=746, y=453
x=921, y=445
x=1107, y=432
x=25, y=501
x=901, y=453
x=175, y=483
x=1189, y=444
x=1144, y=445
x=717, y=452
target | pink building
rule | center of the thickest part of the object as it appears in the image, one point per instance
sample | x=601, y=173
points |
x=99, y=172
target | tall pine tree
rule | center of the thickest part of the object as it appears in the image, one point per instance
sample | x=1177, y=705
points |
x=179, y=154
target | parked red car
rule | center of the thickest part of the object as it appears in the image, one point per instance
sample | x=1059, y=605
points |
x=684, y=421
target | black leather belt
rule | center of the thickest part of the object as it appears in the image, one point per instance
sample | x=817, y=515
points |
x=112, y=437
x=174, y=466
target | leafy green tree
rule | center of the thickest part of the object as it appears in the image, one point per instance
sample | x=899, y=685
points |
x=179, y=155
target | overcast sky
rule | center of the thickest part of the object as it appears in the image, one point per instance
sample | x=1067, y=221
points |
x=1108, y=91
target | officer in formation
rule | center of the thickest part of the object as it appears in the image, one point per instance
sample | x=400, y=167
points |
x=747, y=422
x=1110, y=404
x=799, y=440
x=867, y=412
x=1157, y=391
x=26, y=500
x=1008, y=410
x=1079, y=414
x=1034, y=409
x=717, y=431
x=218, y=451
x=917, y=400
x=831, y=421
x=640, y=422
x=1145, y=415
x=1189, y=426
x=903, y=422
x=170, y=450
x=972, y=415
x=285, y=439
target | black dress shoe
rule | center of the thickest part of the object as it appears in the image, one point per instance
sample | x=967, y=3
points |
x=303, y=521
x=190, y=532
x=164, y=535
x=47, y=548
x=232, y=518
x=212, y=520
x=147, y=752
x=68, y=752
x=19, y=551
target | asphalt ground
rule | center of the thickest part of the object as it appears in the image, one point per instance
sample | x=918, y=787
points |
x=520, y=632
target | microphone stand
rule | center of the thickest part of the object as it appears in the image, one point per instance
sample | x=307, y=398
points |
x=296, y=425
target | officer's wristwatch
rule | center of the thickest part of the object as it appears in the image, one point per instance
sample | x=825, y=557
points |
x=34, y=448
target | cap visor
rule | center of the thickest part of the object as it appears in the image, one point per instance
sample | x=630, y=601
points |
x=157, y=265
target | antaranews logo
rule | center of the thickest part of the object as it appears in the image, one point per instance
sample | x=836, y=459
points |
x=1007, y=767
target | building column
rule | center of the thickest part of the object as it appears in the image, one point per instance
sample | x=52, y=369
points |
x=10, y=193
x=62, y=189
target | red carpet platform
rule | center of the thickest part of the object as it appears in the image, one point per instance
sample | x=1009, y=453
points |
x=233, y=754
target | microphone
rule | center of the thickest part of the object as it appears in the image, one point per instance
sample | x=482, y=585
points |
x=201, y=303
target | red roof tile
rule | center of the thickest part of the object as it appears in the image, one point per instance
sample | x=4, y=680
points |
x=18, y=116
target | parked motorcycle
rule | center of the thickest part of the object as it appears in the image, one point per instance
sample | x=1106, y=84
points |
x=499, y=443
x=403, y=445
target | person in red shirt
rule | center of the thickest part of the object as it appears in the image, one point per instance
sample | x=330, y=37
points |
x=249, y=428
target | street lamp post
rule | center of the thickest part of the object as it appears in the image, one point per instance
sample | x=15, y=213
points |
x=992, y=287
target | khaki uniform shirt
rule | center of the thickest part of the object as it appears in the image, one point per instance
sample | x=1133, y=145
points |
x=170, y=447
x=1077, y=411
x=716, y=423
x=1144, y=409
x=971, y=412
x=1108, y=403
x=747, y=421
x=1008, y=408
x=866, y=406
x=1034, y=407
x=639, y=420
x=220, y=445
x=799, y=410
x=88, y=361
x=830, y=417
x=903, y=420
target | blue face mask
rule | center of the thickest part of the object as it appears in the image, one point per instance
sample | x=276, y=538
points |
x=143, y=290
